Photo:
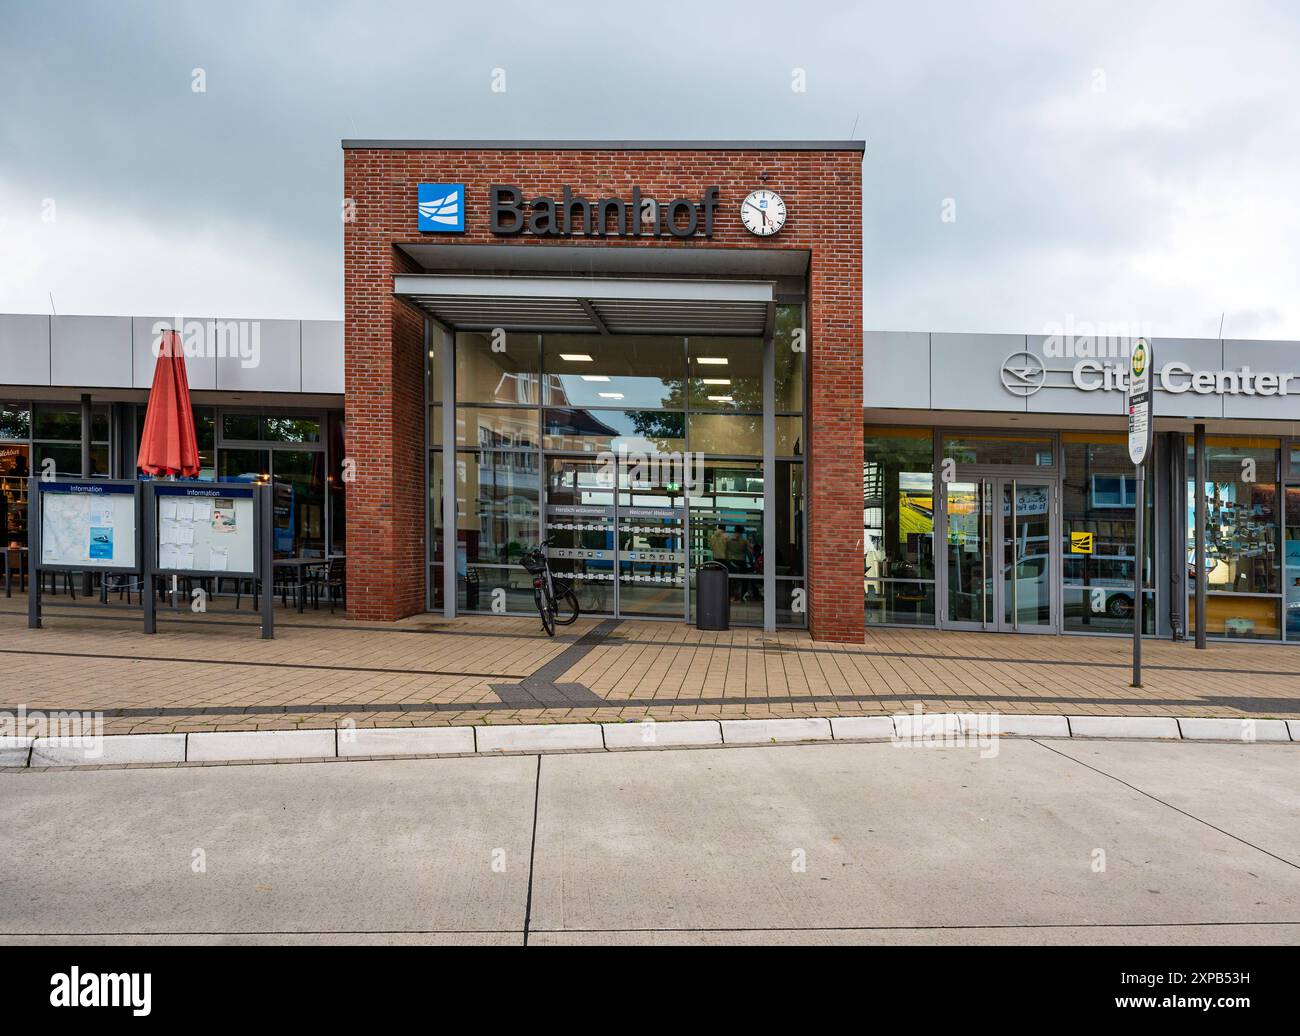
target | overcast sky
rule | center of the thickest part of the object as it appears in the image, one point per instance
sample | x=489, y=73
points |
x=1114, y=162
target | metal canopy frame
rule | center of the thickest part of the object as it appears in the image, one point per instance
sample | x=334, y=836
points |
x=587, y=305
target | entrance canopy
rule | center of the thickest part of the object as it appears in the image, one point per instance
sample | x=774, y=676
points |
x=594, y=305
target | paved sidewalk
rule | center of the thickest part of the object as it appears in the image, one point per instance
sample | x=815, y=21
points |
x=213, y=672
x=1046, y=842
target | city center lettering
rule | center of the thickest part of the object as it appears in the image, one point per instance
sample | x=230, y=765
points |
x=1177, y=378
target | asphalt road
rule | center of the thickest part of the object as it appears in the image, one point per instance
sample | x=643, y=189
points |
x=1048, y=842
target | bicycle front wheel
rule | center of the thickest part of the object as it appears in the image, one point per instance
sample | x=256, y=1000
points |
x=566, y=604
x=544, y=610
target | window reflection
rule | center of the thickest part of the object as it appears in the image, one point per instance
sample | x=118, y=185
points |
x=503, y=370
x=898, y=525
x=1241, y=538
x=614, y=370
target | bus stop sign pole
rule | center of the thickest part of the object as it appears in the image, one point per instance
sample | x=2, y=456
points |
x=1137, y=398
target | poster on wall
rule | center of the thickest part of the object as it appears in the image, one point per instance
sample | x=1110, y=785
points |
x=88, y=525
x=206, y=529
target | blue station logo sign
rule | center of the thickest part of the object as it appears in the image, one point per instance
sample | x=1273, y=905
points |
x=442, y=207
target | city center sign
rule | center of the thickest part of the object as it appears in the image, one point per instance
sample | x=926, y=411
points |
x=1177, y=377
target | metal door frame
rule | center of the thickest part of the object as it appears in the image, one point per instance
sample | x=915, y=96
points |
x=617, y=513
x=995, y=482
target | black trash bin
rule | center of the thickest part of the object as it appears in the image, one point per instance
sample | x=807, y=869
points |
x=712, y=597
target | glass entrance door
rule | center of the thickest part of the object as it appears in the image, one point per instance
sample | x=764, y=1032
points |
x=623, y=548
x=999, y=560
x=579, y=520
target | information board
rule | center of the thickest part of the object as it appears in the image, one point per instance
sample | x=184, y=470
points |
x=209, y=529
x=87, y=525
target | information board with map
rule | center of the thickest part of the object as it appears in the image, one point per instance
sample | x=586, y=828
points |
x=88, y=525
x=205, y=528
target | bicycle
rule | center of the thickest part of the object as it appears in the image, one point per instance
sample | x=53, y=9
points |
x=556, y=602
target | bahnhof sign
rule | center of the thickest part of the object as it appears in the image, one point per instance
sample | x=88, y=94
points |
x=652, y=355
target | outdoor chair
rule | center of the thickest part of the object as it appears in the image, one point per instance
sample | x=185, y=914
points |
x=246, y=585
x=68, y=584
x=333, y=581
x=123, y=584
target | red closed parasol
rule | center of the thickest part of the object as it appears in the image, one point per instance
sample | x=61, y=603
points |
x=168, y=445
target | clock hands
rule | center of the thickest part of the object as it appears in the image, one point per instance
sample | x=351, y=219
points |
x=769, y=207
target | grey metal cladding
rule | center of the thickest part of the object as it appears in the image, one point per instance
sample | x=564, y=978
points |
x=25, y=349
x=896, y=369
x=966, y=372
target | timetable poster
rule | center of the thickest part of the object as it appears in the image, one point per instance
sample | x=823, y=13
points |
x=205, y=530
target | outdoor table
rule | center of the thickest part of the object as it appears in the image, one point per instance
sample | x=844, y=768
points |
x=22, y=559
x=299, y=568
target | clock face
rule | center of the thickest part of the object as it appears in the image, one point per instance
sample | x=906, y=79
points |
x=763, y=213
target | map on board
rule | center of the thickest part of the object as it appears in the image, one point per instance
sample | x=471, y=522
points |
x=88, y=526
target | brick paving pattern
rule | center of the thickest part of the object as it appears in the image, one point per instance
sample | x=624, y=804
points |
x=213, y=672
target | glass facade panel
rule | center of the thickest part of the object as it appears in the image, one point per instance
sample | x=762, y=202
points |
x=1098, y=497
x=437, y=554
x=602, y=393
x=593, y=431
x=299, y=502
x=67, y=458
x=791, y=603
x=788, y=552
x=507, y=374
x=1024, y=450
x=242, y=427
x=337, y=487
x=245, y=465
x=492, y=427
x=789, y=436
x=898, y=525
x=1291, y=559
x=15, y=467
x=614, y=370
x=239, y=427
x=291, y=429
x=57, y=421
x=897, y=602
x=726, y=374
x=497, y=498
x=15, y=421
x=434, y=428
x=727, y=520
x=205, y=433
x=1241, y=537
x=790, y=348
x=735, y=435
x=1238, y=617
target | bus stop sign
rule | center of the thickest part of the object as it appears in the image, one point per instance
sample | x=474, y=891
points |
x=1137, y=397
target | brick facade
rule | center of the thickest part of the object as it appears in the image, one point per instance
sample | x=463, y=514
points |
x=384, y=367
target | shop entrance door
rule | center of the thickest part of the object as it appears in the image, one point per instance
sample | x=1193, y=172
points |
x=1001, y=559
x=623, y=547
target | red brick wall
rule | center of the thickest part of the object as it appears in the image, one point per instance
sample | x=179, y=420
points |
x=384, y=366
